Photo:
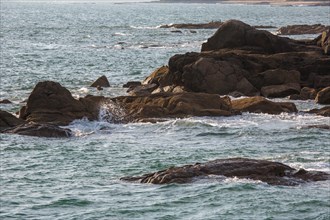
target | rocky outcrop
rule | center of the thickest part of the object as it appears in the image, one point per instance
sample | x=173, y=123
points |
x=165, y=105
x=39, y=130
x=239, y=59
x=234, y=34
x=51, y=103
x=259, y=104
x=302, y=29
x=8, y=120
x=273, y=173
x=323, y=96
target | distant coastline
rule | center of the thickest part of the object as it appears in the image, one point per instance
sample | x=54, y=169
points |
x=254, y=2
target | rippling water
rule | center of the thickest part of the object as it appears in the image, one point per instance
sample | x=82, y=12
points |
x=78, y=178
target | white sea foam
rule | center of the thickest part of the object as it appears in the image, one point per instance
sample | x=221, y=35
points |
x=84, y=127
x=121, y=34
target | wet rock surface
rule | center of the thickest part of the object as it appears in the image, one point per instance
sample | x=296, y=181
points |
x=273, y=173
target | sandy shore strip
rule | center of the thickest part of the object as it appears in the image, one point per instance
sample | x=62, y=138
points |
x=255, y=2
x=281, y=2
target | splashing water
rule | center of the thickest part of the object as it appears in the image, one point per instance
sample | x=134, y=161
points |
x=111, y=112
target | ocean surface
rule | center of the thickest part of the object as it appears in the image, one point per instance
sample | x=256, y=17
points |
x=78, y=178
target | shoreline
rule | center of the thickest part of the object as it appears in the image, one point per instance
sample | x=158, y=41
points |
x=251, y=2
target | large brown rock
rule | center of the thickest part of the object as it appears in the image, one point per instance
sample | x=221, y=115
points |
x=323, y=96
x=51, y=103
x=273, y=173
x=8, y=120
x=236, y=34
x=40, y=130
x=260, y=104
x=164, y=105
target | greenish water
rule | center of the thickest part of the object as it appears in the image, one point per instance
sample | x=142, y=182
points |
x=78, y=178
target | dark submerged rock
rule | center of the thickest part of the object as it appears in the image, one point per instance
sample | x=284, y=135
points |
x=273, y=173
x=39, y=130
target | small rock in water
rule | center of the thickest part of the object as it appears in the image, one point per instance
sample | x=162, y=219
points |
x=101, y=82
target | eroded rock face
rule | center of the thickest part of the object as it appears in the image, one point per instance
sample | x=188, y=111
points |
x=8, y=120
x=260, y=104
x=51, y=103
x=273, y=173
x=39, y=130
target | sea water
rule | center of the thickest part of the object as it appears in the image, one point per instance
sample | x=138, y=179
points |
x=74, y=43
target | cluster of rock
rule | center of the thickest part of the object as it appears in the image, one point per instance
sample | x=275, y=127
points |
x=238, y=60
x=273, y=173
